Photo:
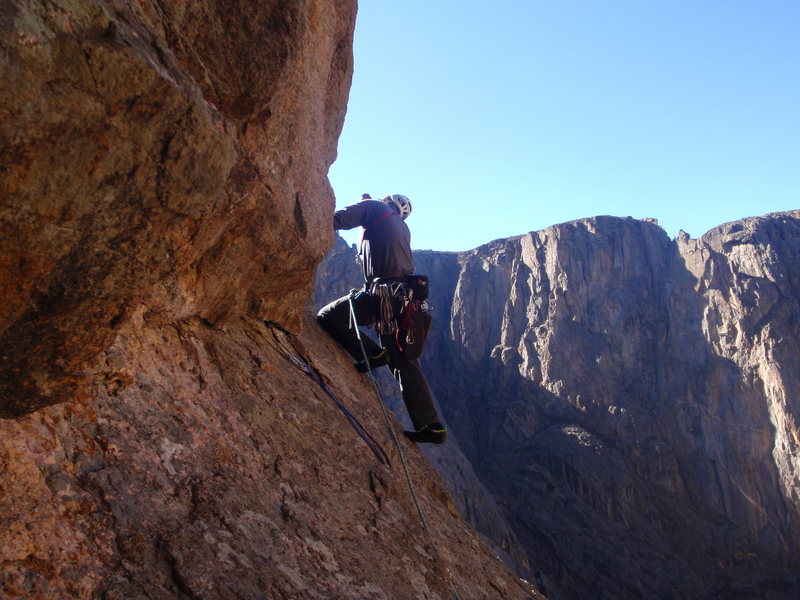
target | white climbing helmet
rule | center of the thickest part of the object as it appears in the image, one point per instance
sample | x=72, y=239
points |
x=400, y=203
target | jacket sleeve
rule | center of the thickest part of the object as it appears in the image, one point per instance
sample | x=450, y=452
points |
x=351, y=216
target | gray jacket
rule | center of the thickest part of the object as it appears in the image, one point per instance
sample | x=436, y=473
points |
x=385, y=248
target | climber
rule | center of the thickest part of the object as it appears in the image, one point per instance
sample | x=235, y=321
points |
x=385, y=253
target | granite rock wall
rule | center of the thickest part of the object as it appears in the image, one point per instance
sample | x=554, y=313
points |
x=632, y=401
x=159, y=154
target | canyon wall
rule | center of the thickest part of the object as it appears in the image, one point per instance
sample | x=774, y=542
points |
x=632, y=401
x=168, y=421
x=624, y=407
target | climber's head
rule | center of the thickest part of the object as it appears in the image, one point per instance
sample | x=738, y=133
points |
x=399, y=203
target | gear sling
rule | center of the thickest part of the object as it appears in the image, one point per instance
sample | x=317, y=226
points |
x=402, y=311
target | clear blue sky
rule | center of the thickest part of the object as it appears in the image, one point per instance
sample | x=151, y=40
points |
x=499, y=118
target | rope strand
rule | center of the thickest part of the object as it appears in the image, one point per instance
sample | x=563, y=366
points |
x=371, y=442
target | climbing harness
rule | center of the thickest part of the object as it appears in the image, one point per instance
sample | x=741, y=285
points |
x=411, y=488
x=371, y=442
x=402, y=310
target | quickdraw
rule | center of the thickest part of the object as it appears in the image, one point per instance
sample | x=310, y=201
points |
x=410, y=306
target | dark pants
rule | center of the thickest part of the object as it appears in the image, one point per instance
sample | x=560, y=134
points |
x=336, y=320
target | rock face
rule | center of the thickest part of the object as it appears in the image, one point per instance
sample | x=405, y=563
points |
x=167, y=430
x=632, y=401
x=159, y=154
x=209, y=465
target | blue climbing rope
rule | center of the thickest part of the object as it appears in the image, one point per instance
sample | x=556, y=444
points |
x=371, y=442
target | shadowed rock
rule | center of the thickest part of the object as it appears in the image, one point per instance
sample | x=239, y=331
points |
x=628, y=404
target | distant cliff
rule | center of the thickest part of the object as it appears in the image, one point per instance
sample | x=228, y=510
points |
x=630, y=402
x=166, y=428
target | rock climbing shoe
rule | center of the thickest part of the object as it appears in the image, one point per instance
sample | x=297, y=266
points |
x=373, y=362
x=435, y=433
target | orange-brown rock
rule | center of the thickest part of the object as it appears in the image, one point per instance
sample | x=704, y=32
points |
x=208, y=465
x=159, y=154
